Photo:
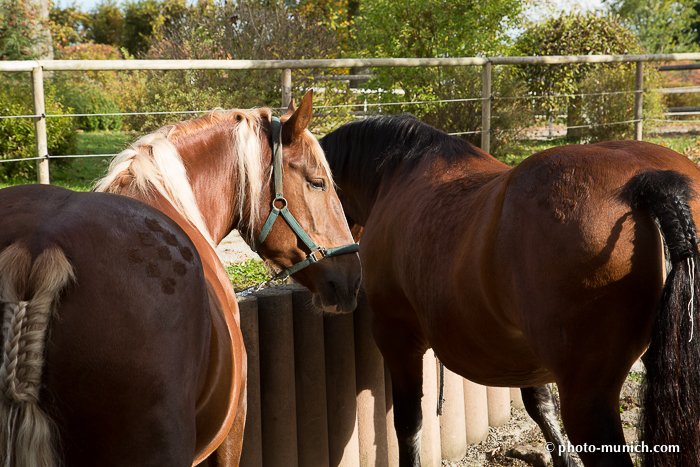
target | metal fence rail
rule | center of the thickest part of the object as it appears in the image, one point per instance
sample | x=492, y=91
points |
x=37, y=68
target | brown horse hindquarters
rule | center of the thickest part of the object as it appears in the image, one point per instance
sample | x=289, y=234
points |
x=577, y=264
x=585, y=278
x=128, y=342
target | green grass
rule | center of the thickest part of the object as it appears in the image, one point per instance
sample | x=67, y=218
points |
x=679, y=142
x=247, y=274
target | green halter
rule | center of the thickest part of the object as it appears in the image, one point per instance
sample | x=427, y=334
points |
x=317, y=252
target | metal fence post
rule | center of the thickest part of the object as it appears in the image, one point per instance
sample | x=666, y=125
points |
x=638, y=101
x=486, y=107
x=286, y=87
x=42, y=149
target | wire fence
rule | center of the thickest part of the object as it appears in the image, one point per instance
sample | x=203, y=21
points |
x=486, y=100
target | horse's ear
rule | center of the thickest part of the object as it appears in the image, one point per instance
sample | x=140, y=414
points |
x=294, y=127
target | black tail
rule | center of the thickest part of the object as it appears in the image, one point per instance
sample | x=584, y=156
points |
x=672, y=389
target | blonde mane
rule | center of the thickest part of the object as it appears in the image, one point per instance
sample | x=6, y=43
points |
x=154, y=163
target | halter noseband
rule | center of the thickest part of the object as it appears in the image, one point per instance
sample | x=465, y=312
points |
x=317, y=253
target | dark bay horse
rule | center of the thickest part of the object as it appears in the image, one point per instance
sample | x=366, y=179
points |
x=563, y=269
x=121, y=338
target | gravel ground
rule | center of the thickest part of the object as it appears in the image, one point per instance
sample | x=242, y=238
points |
x=522, y=430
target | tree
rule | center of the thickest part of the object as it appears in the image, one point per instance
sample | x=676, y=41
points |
x=68, y=25
x=427, y=28
x=663, y=26
x=24, y=32
x=570, y=34
x=694, y=29
x=106, y=24
x=439, y=29
x=145, y=19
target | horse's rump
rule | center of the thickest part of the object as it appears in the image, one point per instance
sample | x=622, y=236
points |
x=129, y=337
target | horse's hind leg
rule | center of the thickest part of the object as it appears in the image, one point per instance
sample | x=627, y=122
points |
x=592, y=422
x=403, y=355
x=543, y=408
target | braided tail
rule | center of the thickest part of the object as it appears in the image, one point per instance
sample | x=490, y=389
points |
x=671, y=397
x=28, y=291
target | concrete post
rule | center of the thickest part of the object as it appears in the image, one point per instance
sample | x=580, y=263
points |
x=277, y=392
x=371, y=400
x=310, y=368
x=286, y=87
x=453, y=429
x=486, y=107
x=430, y=455
x=499, y=406
x=341, y=393
x=476, y=412
x=42, y=147
x=516, y=398
x=251, y=456
x=638, y=101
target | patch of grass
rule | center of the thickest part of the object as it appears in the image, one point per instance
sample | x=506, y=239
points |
x=684, y=143
x=636, y=377
x=80, y=173
x=676, y=141
x=247, y=274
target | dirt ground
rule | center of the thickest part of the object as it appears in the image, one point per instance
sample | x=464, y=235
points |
x=233, y=249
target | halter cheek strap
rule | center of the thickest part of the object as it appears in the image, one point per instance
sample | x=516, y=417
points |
x=317, y=253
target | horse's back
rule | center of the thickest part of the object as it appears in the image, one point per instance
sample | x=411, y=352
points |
x=129, y=333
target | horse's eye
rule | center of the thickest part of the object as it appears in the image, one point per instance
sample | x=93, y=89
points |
x=318, y=183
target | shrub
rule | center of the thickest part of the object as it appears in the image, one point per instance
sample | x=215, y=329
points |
x=222, y=31
x=92, y=92
x=601, y=109
x=558, y=86
x=508, y=116
x=91, y=99
x=17, y=136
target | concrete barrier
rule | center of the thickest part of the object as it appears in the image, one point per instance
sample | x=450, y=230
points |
x=319, y=394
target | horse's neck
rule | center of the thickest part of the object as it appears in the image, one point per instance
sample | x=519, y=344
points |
x=212, y=175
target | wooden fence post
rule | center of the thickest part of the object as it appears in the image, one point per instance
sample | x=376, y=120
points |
x=486, y=107
x=638, y=101
x=42, y=148
x=286, y=87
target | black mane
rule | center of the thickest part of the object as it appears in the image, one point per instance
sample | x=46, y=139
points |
x=381, y=144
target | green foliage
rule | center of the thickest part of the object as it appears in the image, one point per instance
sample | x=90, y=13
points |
x=223, y=31
x=429, y=29
x=17, y=138
x=68, y=25
x=91, y=99
x=247, y=274
x=569, y=34
x=23, y=33
x=144, y=19
x=663, y=26
x=557, y=87
x=105, y=24
x=92, y=92
x=600, y=110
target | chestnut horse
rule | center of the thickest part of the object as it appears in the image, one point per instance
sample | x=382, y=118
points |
x=121, y=330
x=519, y=277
